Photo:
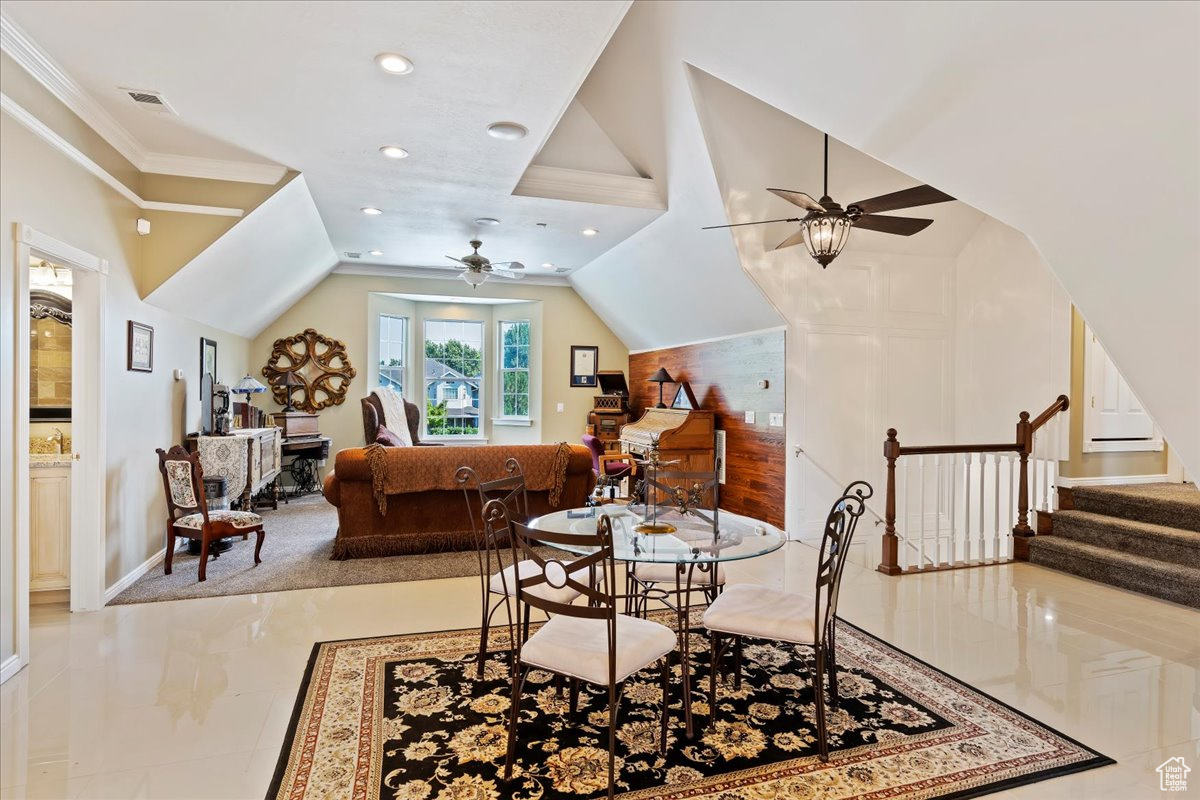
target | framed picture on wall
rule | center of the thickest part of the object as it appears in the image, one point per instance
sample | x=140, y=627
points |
x=583, y=364
x=208, y=362
x=140, y=350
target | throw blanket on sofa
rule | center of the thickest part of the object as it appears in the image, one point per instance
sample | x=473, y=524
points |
x=423, y=469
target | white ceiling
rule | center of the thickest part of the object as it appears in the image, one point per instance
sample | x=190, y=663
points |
x=296, y=84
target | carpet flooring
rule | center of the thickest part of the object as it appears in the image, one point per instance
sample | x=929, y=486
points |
x=295, y=555
x=405, y=718
x=1141, y=537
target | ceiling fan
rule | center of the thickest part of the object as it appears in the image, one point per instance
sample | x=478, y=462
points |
x=476, y=269
x=825, y=229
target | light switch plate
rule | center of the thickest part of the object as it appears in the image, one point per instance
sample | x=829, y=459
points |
x=562, y=407
x=776, y=419
x=749, y=417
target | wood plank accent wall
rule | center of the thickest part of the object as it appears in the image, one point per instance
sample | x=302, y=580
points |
x=724, y=376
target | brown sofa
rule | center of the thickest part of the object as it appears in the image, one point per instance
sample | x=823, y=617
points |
x=431, y=520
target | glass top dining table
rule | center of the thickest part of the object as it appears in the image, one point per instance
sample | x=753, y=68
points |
x=692, y=541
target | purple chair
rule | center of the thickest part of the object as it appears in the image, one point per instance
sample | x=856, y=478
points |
x=609, y=468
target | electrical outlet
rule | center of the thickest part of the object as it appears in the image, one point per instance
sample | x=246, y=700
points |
x=749, y=417
x=776, y=419
x=562, y=407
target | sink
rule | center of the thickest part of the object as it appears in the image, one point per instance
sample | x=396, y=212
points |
x=57, y=459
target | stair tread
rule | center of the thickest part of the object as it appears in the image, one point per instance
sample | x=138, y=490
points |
x=1180, y=536
x=1130, y=561
x=1175, y=505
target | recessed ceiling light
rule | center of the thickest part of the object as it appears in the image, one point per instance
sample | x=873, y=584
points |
x=375, y=252
x=392, y=151
x=589, y=231
x=394, y=63
x=370, y=211
x=548, y=266
x=508, y=131
x=487, y=221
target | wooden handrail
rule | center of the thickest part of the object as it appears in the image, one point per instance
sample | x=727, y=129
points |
x=1023, y=446
x=1061, y=404
x=942, y=449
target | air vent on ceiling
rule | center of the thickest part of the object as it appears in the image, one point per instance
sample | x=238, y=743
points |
x=561, y=270
x=353, y=255
x=148, y=100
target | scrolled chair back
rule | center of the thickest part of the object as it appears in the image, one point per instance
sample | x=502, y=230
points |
x=599, y=595
x=183, y=482
x=835, y=544
x=490, y=541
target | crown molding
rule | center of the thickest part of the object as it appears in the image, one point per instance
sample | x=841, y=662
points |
x=558, y=183
x=34, y=60
x=436, y=274
x=213, y=168
x=46, y=134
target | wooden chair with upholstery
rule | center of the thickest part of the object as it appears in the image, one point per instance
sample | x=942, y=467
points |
x=609, y=468
x=758, y=612
x=188, y=513
x=587, y=642
x=498, y=579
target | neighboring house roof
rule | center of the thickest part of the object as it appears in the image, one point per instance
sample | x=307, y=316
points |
x=439, y=370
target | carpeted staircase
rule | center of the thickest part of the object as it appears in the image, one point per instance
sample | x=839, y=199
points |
x=1145, y=538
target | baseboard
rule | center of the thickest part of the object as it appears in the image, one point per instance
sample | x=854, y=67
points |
x=42, y=597
x=10, y=667
x=1110, y=480
x=123, y=584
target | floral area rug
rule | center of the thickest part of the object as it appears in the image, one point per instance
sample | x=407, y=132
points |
x=403, y=718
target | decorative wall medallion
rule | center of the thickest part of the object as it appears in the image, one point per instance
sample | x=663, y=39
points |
x=320, y=364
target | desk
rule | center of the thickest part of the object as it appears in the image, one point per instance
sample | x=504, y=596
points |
x=693, y=548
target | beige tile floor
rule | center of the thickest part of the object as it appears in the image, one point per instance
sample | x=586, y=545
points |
x=191, y=699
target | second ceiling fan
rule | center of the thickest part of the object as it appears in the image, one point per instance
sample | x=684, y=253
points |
x=825, y=229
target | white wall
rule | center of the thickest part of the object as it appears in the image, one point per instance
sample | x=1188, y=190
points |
x=1012, y=335
x=1026, y=115
x=43, y=189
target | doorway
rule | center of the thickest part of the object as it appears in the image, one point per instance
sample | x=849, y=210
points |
x=88, y=276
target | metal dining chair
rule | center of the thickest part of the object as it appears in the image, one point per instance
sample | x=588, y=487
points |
x=587, y=642
x=759, y=612
x=498, y=580
x=645, y=580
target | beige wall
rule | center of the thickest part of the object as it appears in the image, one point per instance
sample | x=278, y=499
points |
x=1097, y=465
x=41, y=188
x=341, y=307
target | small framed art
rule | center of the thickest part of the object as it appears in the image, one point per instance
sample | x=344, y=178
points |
x=208, y=362
x=140, y=347
x=583, y=364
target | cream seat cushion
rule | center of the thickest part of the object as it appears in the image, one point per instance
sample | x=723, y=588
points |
x=748, y=610
x=503, y=582
x=652, y=572
x=579, y=647
x=238, y=519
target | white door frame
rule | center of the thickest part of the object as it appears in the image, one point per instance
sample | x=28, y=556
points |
x=89, y=279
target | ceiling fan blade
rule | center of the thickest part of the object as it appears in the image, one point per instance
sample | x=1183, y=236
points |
x=905, y=198
x=901, y=226
x=740, y=224
x=795, y=239
x=508, y=264
x=798, y=199
x=505, y=273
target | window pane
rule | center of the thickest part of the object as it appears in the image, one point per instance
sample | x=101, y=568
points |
x=453, y=377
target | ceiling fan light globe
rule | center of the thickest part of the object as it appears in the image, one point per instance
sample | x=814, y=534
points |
x=474, y=278
x=825, y=235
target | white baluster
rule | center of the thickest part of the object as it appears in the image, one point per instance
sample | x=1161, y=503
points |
x=953, y=492
x=996, y=510
x=921, y=506
x=1034, y=485
x=982, y=507
x=906, y=542
x=937, y=512
x=967, y=508
x=1012, y=508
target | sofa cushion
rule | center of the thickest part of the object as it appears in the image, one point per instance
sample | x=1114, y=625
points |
x=386, y=438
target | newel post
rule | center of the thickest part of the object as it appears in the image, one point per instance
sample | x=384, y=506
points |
x=1022, y=531
x=890, y=565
